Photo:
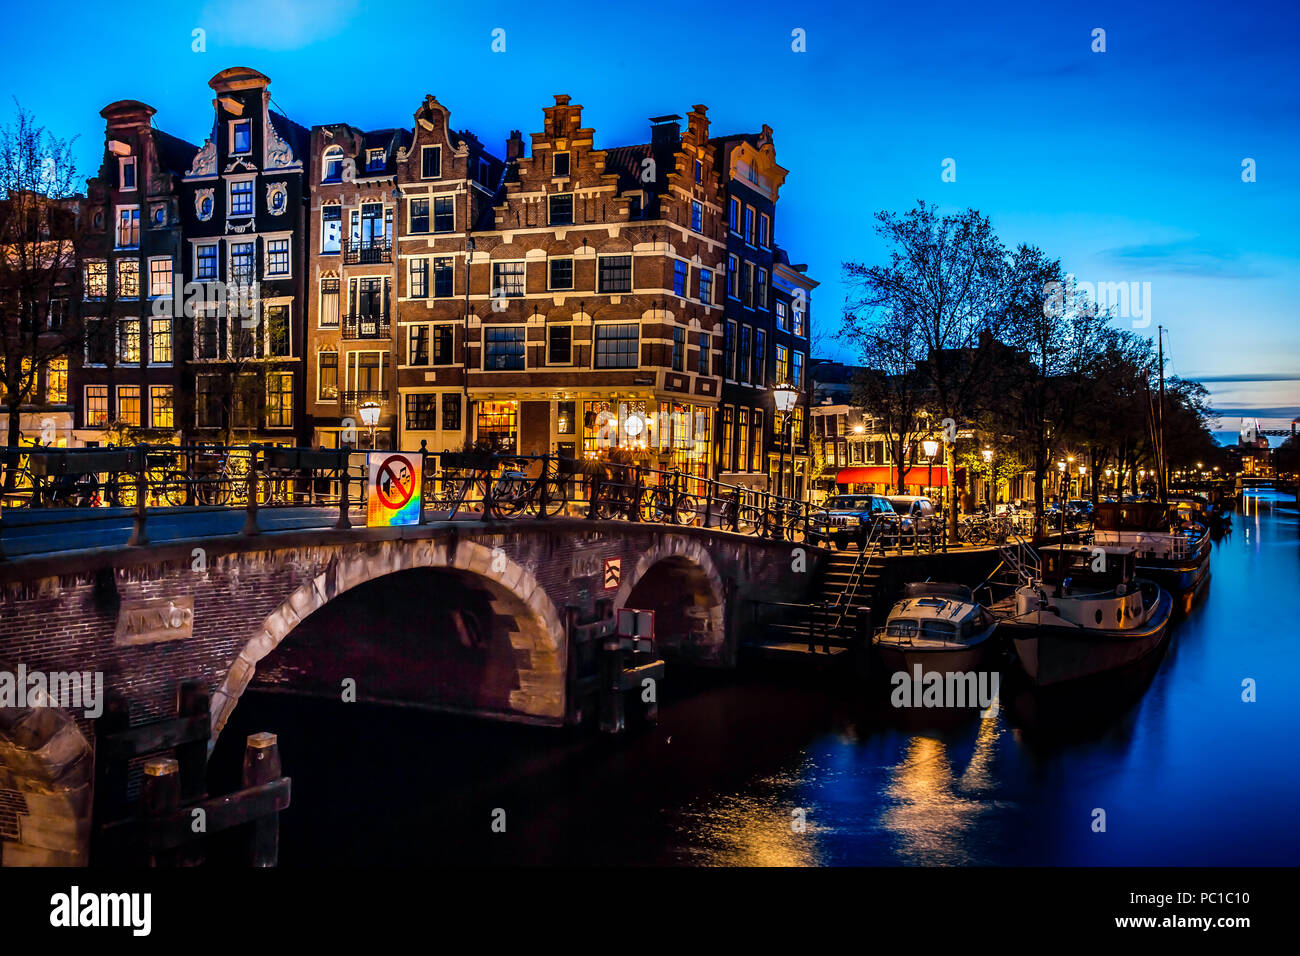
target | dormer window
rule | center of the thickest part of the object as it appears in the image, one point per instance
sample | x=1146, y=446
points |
x=332, y=165
x=561, y=167
x=374, y=160
x=241, y=137
x=126, y=173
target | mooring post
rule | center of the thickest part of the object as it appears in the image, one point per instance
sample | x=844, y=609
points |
x=160, y=798
x=262, y=765
x=612, y=703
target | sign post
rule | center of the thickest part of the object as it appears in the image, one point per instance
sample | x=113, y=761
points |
x=393, y=491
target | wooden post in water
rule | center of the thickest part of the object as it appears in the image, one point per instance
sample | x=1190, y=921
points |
x=160, y=798
x=612, y=704
x=262, y=765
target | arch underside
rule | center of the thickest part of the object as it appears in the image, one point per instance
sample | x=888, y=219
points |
x=504, y=651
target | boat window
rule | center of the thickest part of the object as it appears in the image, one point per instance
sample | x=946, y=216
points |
x=902, y=627
x=939, y=630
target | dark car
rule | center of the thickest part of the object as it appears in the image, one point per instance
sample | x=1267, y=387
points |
x=850, y=518
x=918, y=515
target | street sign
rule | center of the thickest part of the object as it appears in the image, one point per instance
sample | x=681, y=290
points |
x=393, y=492
x=613, y=573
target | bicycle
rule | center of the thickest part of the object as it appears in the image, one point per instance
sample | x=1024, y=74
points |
x=669, y=504
x=514, y=492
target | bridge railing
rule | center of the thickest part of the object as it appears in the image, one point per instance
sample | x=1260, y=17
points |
x=327, y=486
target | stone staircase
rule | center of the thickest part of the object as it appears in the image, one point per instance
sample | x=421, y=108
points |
x=848, y=580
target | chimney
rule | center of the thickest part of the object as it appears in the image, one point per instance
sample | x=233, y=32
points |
x=666, y=130
x=514, y=146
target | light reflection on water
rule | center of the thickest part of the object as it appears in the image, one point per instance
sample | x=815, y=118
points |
x=1185, y=771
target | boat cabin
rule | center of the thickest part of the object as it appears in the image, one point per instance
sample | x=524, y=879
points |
x=1088, y=566
x=944, y=612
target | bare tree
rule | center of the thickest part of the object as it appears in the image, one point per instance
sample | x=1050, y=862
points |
x=952, y=280
x=39, y=229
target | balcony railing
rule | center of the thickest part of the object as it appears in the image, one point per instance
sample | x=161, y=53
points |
x=366, y=327
x=354, y=397
x=367, y=251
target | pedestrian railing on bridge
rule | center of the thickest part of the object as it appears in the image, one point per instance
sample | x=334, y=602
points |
x=326, y=486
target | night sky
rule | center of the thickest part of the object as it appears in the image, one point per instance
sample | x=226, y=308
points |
x=1126, y=164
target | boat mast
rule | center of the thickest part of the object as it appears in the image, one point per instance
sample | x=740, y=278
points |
x=1162, y=472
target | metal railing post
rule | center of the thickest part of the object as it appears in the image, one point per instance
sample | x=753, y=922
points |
x=597, y=479
x=542, y=497
x=638, y=488
x=250, y=506
x=424, y=472
x=345, y=476
x=138, y=536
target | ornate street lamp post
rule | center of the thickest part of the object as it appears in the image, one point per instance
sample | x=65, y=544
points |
x=784, y=397
x=988, y=463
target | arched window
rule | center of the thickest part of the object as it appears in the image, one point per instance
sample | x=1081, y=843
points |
x=332, y=165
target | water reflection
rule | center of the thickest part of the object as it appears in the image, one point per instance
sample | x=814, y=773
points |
x=1188, y=773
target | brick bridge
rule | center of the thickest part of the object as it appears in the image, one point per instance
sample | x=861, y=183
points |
x=466, y=616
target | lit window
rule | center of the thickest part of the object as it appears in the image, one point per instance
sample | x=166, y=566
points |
x=160, y=407
x=160, y=276
x=128, y=279
x=96, y=405
x=160, y=340
x=279, y=399
x=128, y=405
x=128, y=227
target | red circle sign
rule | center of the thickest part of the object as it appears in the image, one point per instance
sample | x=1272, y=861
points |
x=403, y=493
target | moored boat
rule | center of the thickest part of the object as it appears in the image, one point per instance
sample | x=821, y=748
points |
x=1172, y=546
x=939, y=627
x=1086, y=613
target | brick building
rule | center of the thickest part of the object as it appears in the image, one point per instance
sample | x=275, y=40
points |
x=448, y=180
x=350, y=347
x=127, y=377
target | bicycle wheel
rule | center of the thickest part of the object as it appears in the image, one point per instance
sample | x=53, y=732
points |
x=687, y=510
x=751, y=519
x=509, y=497
x=169, y=491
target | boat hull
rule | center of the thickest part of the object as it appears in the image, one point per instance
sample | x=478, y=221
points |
x=896, y=658
x=1054, y=654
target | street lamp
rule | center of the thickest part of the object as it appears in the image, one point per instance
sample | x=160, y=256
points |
x=784, y=397
x=931, y=448
x=370, y=418
x=988, y=463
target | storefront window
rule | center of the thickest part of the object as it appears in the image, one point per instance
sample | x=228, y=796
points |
x=498, y=424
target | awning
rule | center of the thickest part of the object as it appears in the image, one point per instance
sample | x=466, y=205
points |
x=885, y=475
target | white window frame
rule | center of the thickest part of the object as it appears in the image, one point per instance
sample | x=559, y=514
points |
x=230, y=195
x=117, y=225
x=554, y=288
x=338, y=390
x=231, y=136
x=122, y=163
x=370, y=154
x=171, y=319
x=216, y=243
x=547, y=345
x=85, y=405
x=142, y=423
x=287, y=302
x=430, y=178
x=250, y=240
x=117, y=274
x=171, y=277
x=352, y=368
x=267, y=239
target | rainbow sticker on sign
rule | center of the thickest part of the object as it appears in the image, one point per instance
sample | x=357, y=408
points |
x=394, y=490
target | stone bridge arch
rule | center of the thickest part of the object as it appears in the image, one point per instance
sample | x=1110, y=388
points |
x=540, y=639
x=678, y=580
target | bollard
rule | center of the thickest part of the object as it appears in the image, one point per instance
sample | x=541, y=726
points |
x=262, y=765
x=160, y=798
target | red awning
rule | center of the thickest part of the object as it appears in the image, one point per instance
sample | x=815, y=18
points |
x=885, y=475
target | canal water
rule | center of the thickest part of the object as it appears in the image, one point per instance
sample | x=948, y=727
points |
x=758, y=770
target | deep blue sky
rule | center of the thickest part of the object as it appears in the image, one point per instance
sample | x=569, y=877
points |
x=1125, y=164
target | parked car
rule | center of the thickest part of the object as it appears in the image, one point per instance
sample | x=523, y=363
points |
x=918, y=515
x=850, y=518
